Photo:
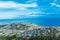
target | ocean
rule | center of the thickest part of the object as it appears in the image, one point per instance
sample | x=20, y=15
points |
x=38, y=21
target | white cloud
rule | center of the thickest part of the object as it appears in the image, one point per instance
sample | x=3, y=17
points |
x=8, y=15
x=54, y=4
x=7, y=4
x=16, y=14
x=11, y=4
x=57, y=5
x=31, y=1
x=34, y=14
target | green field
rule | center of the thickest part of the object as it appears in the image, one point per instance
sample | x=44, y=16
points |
x=41, y=37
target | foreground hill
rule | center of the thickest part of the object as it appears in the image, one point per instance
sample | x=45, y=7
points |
x=16, y=28
x=22, y=29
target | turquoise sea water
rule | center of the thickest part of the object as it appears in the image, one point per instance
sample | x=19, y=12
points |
x=39, y=21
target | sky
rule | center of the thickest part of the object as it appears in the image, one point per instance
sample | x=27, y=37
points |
x=11, y=9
